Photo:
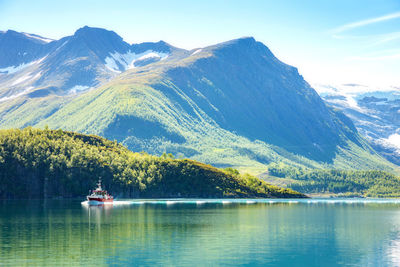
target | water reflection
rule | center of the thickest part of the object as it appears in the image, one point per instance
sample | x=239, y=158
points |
x=393, y=251
x=201, y=232
x=393, y=247
x=97, y=214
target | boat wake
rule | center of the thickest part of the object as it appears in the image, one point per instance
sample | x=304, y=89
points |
x=170, y=202
x=114, y=203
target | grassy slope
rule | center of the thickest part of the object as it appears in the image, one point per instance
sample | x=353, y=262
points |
x=23, y=111
x=47, y=163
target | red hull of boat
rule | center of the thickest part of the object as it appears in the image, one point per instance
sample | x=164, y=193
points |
x=100, y=199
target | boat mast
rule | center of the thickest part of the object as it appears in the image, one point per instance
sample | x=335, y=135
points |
x=99, y=184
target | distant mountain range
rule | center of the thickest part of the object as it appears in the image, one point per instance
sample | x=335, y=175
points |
x=374, y=111
x=230, y=104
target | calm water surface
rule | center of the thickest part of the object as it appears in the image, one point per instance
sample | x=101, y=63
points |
x=201, y=233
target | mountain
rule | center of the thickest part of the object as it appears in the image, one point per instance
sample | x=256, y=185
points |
x=374, y=111
x=245, y=88
x=19, y=49
x=230, y=104
x=75, y=63
x=47, y=163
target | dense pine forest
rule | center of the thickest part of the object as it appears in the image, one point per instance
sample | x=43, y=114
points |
x=47, y=163
x=370, y=183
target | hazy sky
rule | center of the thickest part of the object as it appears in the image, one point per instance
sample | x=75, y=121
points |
x=330, y=41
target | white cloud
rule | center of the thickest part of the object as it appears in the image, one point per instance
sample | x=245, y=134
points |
x=376, y=58
x=373, y=40
x=387, y=38
x=362, y=23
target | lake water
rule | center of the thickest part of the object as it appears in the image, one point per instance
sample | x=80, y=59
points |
x=201, y=233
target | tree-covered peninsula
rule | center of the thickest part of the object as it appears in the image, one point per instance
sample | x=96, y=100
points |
x=47, y=163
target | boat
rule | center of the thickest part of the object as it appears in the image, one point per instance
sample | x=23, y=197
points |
x=99, y=196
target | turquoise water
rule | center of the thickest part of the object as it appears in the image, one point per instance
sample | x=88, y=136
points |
x=201, y=233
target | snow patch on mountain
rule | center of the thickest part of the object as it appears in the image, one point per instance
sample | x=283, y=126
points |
x=78, y=88
x=352, y=102
x=26, y=77
x=111, y=64
x=392, y=141
x=14, y=69
x=374, y=111
x=351, y=93
x=37, y=37
x=348, y=100
x=22, y=79
x=127, y=60
x=63, y=44
x=350, y=88
x=197, y=51
x=149, y=55
x=23, y=92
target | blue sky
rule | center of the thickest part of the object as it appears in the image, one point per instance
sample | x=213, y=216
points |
x=341, y=41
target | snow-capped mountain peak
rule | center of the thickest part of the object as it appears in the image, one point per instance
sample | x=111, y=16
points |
x=71, y=65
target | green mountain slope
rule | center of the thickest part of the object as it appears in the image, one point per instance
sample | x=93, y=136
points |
x=47, y=163
x=233, y=104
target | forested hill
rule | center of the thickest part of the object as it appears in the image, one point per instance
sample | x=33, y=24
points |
x=366, y=183
x=53, y=163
